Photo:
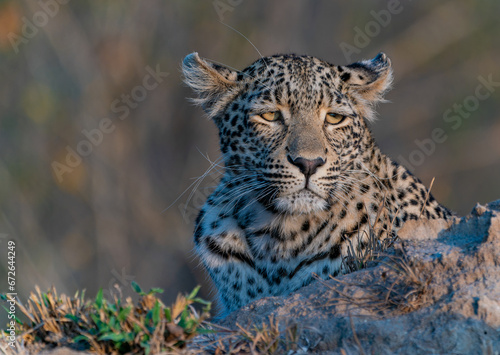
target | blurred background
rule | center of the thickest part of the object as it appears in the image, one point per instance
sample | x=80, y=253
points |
x=99, y=147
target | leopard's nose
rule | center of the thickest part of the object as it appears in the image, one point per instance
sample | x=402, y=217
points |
x=307, y=166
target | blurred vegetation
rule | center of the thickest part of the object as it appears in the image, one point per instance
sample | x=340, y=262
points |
x=106, y=221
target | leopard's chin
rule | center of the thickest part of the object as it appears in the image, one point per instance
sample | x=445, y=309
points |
x=301, y=202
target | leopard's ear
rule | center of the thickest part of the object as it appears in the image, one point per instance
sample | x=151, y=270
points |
x=212, y=83
x=369, y=80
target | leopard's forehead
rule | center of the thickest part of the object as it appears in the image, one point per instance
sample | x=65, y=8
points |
x=292, y=63
x=303, y=79
x=297, y=67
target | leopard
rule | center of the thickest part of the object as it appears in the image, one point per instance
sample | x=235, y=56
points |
x=304, y=182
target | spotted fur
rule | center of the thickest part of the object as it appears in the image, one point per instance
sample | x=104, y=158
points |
x=272, y=222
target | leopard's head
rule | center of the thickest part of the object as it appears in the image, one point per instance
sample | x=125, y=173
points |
x=292, y=128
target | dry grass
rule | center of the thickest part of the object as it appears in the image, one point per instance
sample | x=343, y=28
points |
x=400, y=288
x=108, y=327
x=149, y=327
x=370, y=244
x=269, y=337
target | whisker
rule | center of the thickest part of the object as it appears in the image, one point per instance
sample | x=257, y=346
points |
x=242, y=35
x=195, y=183
x=233, y=198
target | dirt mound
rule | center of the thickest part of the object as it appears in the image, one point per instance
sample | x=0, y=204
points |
x=438, y=291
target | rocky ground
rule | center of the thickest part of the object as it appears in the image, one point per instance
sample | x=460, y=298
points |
x=437, y=292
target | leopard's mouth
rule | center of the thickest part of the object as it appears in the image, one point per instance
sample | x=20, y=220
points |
x=307, y=192
x=302, y=201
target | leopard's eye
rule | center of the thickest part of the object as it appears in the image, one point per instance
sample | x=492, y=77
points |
x=271, y=116
x=334, y=118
